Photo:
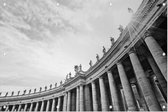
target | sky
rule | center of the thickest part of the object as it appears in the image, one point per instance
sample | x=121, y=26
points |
x=42, y=40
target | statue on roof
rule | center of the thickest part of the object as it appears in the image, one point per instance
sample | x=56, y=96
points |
x=112, y=40
x=76, y=68
x=104, y=50
x=97, y=57
x=90, y=63
x=50, y=86
x=0, y=93
x=80, y=67
x=29, y=91
x=12, y=93
x=45, y=88
x=55, y=84
x=60, y=82
x=70, y=75
x=35, y=90
x=40, y=89
x=18, y=93
x=121, y=28
x=6, y=94
x=24, y=92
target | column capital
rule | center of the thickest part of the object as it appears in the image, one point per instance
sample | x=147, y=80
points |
x=132, y=50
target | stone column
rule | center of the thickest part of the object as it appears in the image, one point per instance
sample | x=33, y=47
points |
x=19, y=107
x=144, y=83
x=113, y=91
x=158, y=74
x=69, y=101
x=53, y=105
x=7, y=107
x=37, y=104
x=0, y=108
x=157, y=53
x=158, y=93
x=81, y=98
x=87, y=99
x=123, y=100
x=131, y=104
x=47, y=105
x=65, y=102
x=77, y=98
x=31, y=107
x=42, y=106
x=59, y=103
x=25, y=107
x=94, y=97
x=103, y=95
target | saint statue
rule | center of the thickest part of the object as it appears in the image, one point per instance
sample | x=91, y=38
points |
x=90, y=63
x=97, y=57
x=6, y=94
x=24, y=92
x=104, y=50
x=50, y=86
x=121, y=28
x=40, y=89
x=12, y=93
x=55, y=84
x=35, y=90
x=112, y=40
x=29, y=91
x=45, y=88
x=18, y=93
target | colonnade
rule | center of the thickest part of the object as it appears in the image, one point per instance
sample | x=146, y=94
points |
x=144, y=93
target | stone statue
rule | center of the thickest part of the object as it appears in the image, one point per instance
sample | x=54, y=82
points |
x=6, y=94
x=35, y=90
x=40, y=89
x=50, y=86
x=45, y=88
x=104, y=50
x=112, y=40
x=29, y=91
x=97, y=57
x=18, y=93
x=90, y=63
x=70, y=75
x=24, y=92
x=76, y=68
x=80, y=67
x=61, y=83
x=66, y=77
x=12, y=93
x=0, y=93
x=55, y=84
x=121, y=28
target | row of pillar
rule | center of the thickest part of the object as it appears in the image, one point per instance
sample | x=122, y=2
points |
x=82, y=101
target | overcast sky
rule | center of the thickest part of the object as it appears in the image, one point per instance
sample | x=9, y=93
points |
x=42, y=40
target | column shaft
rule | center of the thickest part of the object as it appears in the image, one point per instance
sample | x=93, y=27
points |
x=37, y=104
x=42, y=106
x=69, y=101
x=144, y=83
x=25, y=107
x=81, y=98
x=19, y=107
x=77, y=98
x=158, y=74
x=103, y=95
x=31, y=107
x=65, y=102
x=87, y=98
x=53, y=105
x=114, y=92
x=127, y=89
x=7, y=107
x=94, y=97
x=47, y=105
x=157, y=52
x=59, y=103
